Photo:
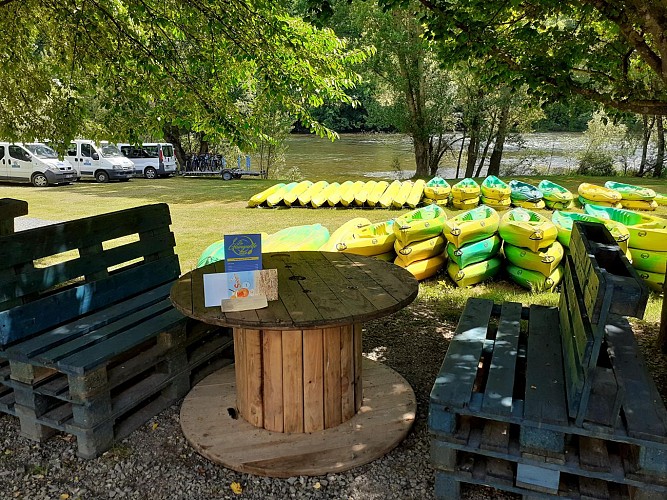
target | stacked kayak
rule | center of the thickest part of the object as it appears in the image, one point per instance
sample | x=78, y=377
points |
x=376, y=240
x=648, y=241
x=465, y=194
x=634, y=197
x=564, y=221
x=592, y=194
x=530, y=247
x=437, y=191
x=473, y=245
x=495, y=193
x=419, y=244
x=526, y=195
x=555, y=196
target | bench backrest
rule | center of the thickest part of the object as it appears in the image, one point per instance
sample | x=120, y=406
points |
x=9, y=210
x=599, y=281
x=53, y=274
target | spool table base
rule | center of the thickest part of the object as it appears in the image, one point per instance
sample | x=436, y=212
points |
x=211, y=424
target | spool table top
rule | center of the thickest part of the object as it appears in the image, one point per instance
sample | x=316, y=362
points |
x=315, y=289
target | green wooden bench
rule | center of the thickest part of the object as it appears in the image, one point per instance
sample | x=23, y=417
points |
x=90, y=343
x=9, y=210
x=553, y=402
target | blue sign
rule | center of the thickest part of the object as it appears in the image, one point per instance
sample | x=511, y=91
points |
x=243, y=252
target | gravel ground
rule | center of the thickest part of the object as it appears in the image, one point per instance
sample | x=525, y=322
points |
x=156, y=462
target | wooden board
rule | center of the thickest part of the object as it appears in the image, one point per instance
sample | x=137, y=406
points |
x=383, y=421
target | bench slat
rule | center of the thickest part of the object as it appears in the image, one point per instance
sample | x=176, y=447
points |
x=454, y=384
x=36, y=316
x=35, y=346
x=644, y=410
x=499, y=387
x=25, y=246
x=545, y=388
x=97, y=354
x=41, y=279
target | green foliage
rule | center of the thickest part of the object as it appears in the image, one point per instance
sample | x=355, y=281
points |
x=596, y=163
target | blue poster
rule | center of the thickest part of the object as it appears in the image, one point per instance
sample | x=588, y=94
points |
x=243, y=252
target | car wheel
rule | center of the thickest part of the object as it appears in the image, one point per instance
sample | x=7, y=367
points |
x=150, y=173
x=39, y=180
x=226, y=176
x=101, y=176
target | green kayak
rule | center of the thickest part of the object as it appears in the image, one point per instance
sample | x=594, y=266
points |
x=495, y=189
x=474, y=273
x=437, y=189
x=419, y=224
x=647, y=232
x=543, y=261
x=522, y=191
x=564, y=220
x=556, y=197
x=466, y=189
x=630, y=191
x=474, y=252
x=534, y=281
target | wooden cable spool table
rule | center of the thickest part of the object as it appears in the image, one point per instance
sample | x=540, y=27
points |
x=298, y=374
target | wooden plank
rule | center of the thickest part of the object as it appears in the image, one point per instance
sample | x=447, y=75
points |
x=272, y=374
x=358, y=364
x=454, y=383
x=574, y=372
x=347, y=376
x=593, y=454
x=500, y=385
x=293, y=380
x=45, y=241
x=495, y=436
x=240, y=370
x=253, y=371
x=545, y=399
x=644, y=411
x=313, y=380
x=537, y=478
x=604, y=404
x=332, y=378
x=41, y=314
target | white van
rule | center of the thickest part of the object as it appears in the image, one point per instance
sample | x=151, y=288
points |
x=103, y=162
x=151, y=159
x=36, y=163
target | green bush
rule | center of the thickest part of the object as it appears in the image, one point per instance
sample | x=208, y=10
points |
x=598, y=163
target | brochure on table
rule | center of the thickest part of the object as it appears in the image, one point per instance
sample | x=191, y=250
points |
x=244, y=284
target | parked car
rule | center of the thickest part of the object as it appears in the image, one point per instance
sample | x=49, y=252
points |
x=152, y=159
x=102, y=162
x=36, y=163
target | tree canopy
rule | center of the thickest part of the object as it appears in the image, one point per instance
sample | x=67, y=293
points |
x=125, y=65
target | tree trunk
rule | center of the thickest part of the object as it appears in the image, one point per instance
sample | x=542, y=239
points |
x=473, y=147
x=487, y=145
x=458, y=162
x=660, y=154
x=497, y=154
x=173, y=135
x=421, y=147
x=646, y=137
x=203, y=144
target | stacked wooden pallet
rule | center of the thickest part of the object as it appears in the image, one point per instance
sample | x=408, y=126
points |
x=550, y=402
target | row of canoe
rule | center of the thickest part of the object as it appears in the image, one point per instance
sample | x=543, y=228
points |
x=463, y=195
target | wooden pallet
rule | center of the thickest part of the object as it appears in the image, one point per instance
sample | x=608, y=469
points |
x=137, y=386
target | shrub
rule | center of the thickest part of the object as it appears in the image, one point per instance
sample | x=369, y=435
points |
x=597, y=163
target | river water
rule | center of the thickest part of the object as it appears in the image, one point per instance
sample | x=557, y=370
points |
x=391, y=156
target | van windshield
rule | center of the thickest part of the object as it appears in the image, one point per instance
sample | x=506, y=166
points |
x=41, y=151
x=110, y=151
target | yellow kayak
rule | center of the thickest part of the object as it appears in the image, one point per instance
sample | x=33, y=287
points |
x=402, y=196
x=639, y=205
x=503, y=204
x=593, y=192
x=361, y=195
x=437, y=189
x=493, y=188
x=422, y=269
x=647, y=260
x=443, y=202
x=419, y=224
x=348, y=190
x=585, y=201
x=259, y=198
x=420, y=250
x=343, y=232
x=630, y=191
x=466, y=204
x=655, y=281
x=473, y=225
x=530, y=205
x=474, y=273
x=388, y=196
x=306, y=237
x=564, y=220
x=534, y=281
x=335, y=195
x=465, y=189
x=373, y=239
x=290, y=198
x=416, y=193
x=543, y=261
x=661, y=199
x=275, y=198
x=647, y=232
x=322, y=197
x=305, y=197
x=376, y=193
x=527, y=229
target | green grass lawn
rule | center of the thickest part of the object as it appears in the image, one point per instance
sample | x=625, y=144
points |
x=205, y=209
